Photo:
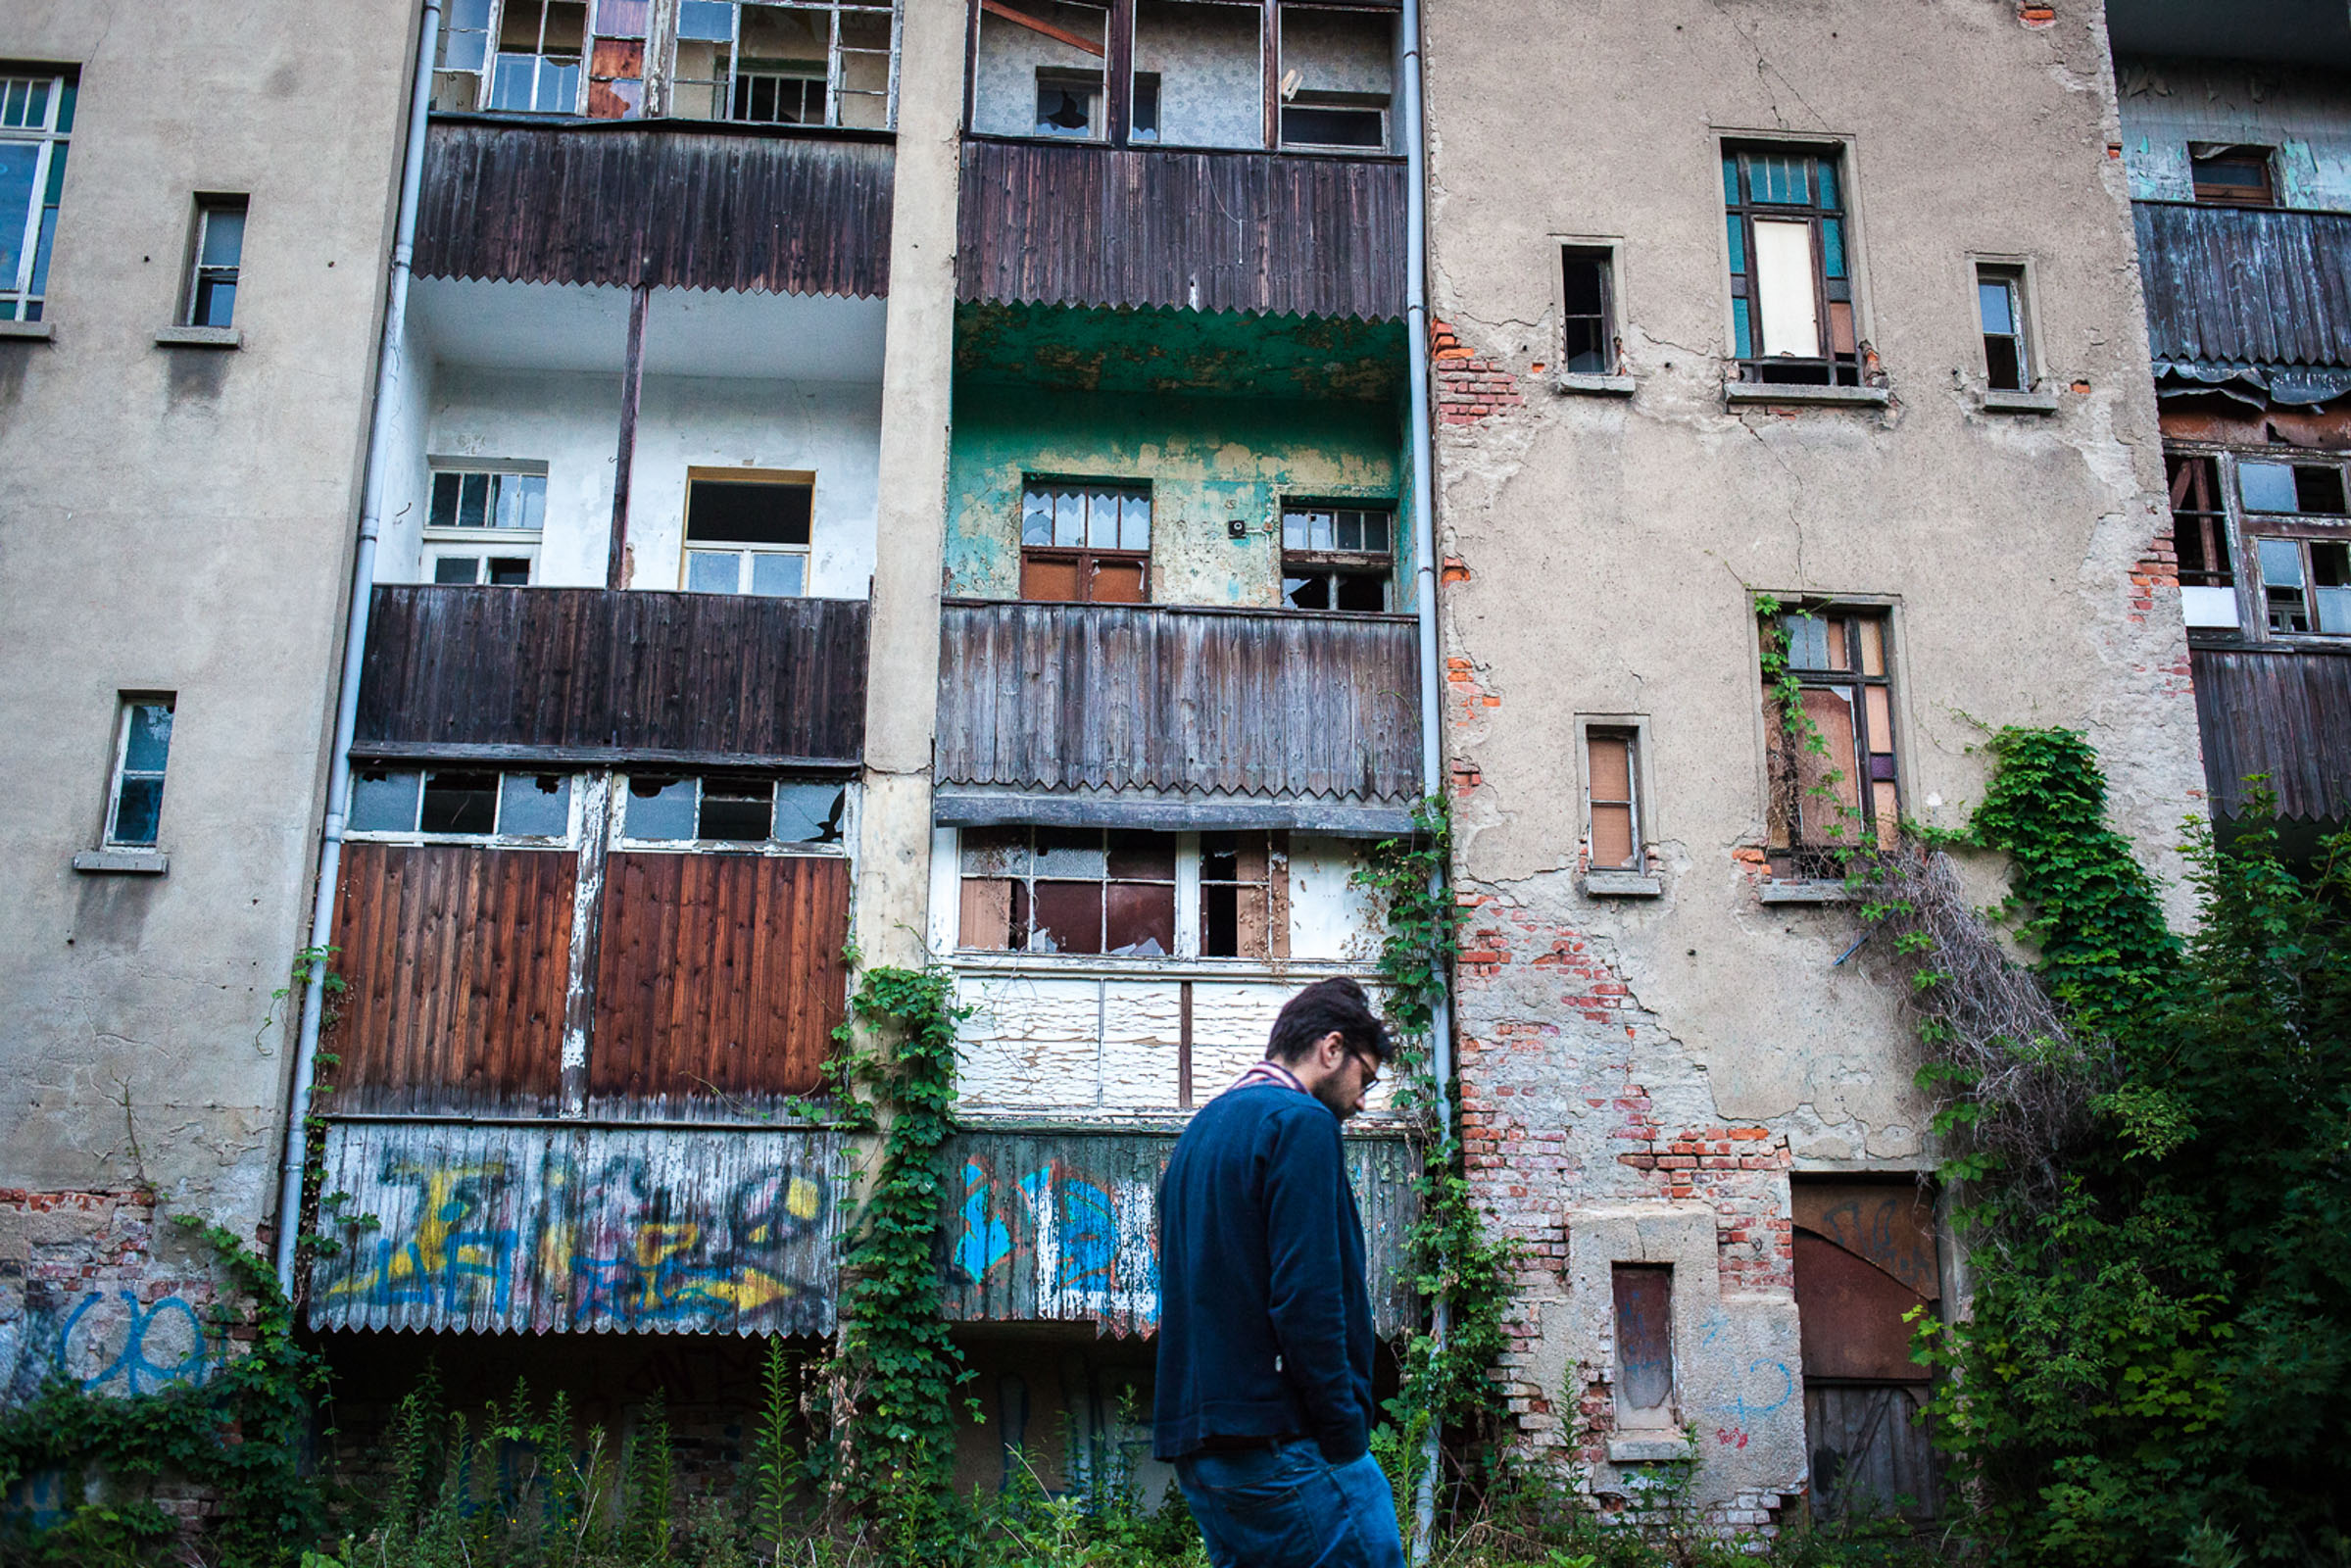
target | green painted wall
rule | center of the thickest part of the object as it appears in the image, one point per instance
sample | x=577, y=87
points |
x=1208, y=460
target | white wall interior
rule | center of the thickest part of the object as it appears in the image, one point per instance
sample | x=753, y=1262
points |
x=1210, y=61
x=1003, y=100
x=1339, y=51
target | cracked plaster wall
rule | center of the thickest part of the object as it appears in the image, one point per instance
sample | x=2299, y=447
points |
x=1646, y=1055
x=179, y=520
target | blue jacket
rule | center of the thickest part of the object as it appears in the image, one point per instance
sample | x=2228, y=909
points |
x=1265, y=1318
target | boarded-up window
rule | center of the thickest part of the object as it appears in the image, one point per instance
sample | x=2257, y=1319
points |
x=1086, y=541
x=1645, y=1344
x=1615, y=813
x=1835, y=784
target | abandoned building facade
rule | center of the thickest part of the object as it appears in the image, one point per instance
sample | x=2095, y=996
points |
x=663, y=502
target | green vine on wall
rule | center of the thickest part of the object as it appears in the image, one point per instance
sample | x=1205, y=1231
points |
x=896, y=1368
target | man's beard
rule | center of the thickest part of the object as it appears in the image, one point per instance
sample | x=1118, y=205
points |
x=1333, y=1098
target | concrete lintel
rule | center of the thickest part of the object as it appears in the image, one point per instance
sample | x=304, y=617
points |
x=1807, y=893
x=1622, y=885
x=1664, y=1448
x=1738, y=394
x=1997, y=401
x=29, y=331
x=137, y=862
x=1593, y=386
x=200, y=338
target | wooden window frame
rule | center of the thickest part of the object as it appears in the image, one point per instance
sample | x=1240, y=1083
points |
x=2247, y=527
x=1332, y=565
x=1629, y=736
x=2011, y=277
x=24, y=297
x=1796, y=852
x=1835, y=366
x=2217, y=194
x=1191, y=883
x=2301, y=537
x=2195, y=478
x=1085, y=560
x=498, y=52
x=622, y=839
x=486, y=543
x=499, y=835
x=746, y=550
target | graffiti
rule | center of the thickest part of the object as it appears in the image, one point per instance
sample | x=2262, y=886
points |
x=1731, y=1437
x=1763, y=1388
x=986, y=1241
x=587, y=1230
x=1063, y=1245
x=107, y=1342
x=35, y=1503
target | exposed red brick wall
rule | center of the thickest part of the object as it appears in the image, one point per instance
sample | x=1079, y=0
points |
x=1470, y=386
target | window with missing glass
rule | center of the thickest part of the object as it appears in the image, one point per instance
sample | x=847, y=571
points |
x=541, y=47
x=1791, y=287
x=1069, y=103
x=2000, y=310
x=1125, y=894
x=720, y=810
x=1338, y=555
x=135, y=796
x=1834, y=785
x=460, y=803
x=1086, y=541
x=484, y=523
x=748, y=531
x=36, y=119
x=806, y=62
x=217, y=253
x=1588, y=311
x=2233, y=176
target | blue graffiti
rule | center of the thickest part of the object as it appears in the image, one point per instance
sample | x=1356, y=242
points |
x=131, y=1364
x=1747, y=1412
x=986, y=1240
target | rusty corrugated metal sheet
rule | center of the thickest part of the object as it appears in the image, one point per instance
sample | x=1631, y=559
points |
x=1173, y=699
x=781, y=211
x=508, y=1229
x=2245, y=286
x=2285, y=713
x=1267, y=232
x=455, y=961
x=635, y=670
x=720, y=977
x=1064, y=1226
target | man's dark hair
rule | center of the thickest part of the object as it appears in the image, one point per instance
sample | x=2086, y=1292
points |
x=1325, y=1006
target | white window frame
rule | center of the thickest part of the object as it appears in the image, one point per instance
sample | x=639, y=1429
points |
x=838, y=848
x=2017, y=272
x=496, y=54
x=745, y=551
x=836, y=88
x=496, y=836
x=450, y=541
x=207, y=208
x=946, y=907
x=125, y=705
x=24, y=296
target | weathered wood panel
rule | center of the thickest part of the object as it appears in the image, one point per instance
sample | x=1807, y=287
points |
x=1270, y=232
x=1872, y=1455
x=1064, y=1227
x=516, y=1229
x=2237, y=285
x=1180, y=700
x=589, y=668
x=455, y=961
x=2283, y=713
x=721, y=976
x=782, y=212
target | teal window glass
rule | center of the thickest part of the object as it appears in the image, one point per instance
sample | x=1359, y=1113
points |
x=1742, y=328
x=1736, y=228
x=1833, y=247
x=136, y=812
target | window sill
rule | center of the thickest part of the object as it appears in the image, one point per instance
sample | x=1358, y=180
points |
x=136, y=863
x=1997, y=401
x=1593, y=386
x=1743, y=393
x=29, y=331
x=1621, y=884
x=200, y=338
x=1664, y=1448
x=1806, y=892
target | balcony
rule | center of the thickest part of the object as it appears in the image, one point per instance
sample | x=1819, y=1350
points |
x=589, y=675
x=2251, y=301
x=2282, y=713
x=627, y=204
x=1175, y=716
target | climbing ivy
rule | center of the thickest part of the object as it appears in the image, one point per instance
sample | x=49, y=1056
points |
x=896, y=1368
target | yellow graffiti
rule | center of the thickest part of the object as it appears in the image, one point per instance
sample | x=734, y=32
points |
x=659, y=1244
x=441, y=1211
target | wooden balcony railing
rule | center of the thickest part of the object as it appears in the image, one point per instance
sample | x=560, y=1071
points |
x=2281, y=712
x=2240, y=286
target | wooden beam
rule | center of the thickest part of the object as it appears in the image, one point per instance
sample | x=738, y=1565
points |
x=632, y=382
x=997, y=8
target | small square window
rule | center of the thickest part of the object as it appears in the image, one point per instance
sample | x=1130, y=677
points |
x=2232, y=176
x=135, y=795
x=2000, y=310
x=218, y=251
x=748, y=532
x=1338, y=555
x=2306, y=585
x=1069, y=103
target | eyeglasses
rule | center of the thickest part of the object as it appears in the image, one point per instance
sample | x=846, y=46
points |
x=1370, y=1066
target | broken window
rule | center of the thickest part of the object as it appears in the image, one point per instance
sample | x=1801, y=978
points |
x=1792, y=289
x=747, y=532
x=541, y=45
x=1200, y=74
x=775, y=63
x=1644, y=1345
x=1243, y=895
x=1069, y=103
x=483, y=523
x=723, y=809
x=219, y=244
x=1086, y=541
x=1336, y=76
x=1039, y=70
x=616, y=59
x=36, y=115
x=1833, y=782
x=2312, y=488
x=2199, y=525
x=2000, y=307
x=467, y=802
x=1609, y=793
x=1337, y=557
x=1069, y=890
x=135, y=796
x=1588, y=311
x=2232, y=176
x=2306, y=585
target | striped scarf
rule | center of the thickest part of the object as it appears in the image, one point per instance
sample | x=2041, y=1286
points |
x=1268, y=1072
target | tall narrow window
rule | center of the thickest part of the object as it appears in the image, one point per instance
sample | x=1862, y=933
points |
x=2001, y=304
x=1243, y=891
x=540, y=46
x=219, y=248
x=1337, y=557
x=2232, y=176
x=1587, y=312
x=134, y=800
x=36, y=115
x=1645, y=1344
x=1615, y=810
x=748, y=533
x=2200, y=540
x=1835, y=786
x=1086, y=541
x=1792, y=290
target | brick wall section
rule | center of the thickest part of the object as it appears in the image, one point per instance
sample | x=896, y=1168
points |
x=2036, y=13
x=1470, y=386
x=2158, y=568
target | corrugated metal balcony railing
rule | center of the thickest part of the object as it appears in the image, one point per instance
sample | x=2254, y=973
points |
x=2258, y=289
x=1122, y=227
x=1175, y=716
x=604, y=202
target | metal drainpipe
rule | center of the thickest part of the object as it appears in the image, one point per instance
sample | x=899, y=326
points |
x=389, y=373
x=1432, y=687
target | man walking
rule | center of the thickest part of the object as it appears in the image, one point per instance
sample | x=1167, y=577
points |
x=1263, y=1399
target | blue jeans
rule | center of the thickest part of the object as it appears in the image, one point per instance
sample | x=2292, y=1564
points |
x=1288, y=1508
